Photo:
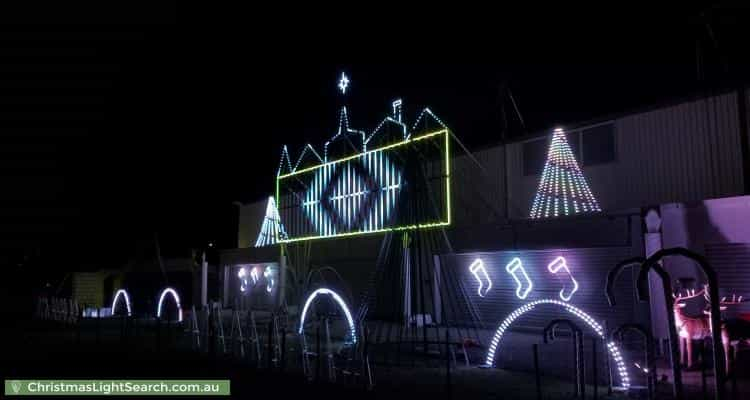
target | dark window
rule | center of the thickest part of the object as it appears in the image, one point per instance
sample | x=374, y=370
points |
x=598, y=145
x=534, y=156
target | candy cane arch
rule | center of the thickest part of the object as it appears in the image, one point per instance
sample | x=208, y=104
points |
x=611, y=346
x=338, y=300
x=117, y=296
x=176, y=300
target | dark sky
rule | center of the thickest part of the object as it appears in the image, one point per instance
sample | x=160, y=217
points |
x=111, y=132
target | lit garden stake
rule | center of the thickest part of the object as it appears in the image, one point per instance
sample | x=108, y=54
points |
x=508, y=321
x=124, y=295
x=562, y=189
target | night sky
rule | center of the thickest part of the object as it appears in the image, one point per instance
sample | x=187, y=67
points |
x=110, y=133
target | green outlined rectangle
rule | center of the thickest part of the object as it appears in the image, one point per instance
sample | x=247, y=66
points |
x=443, y=220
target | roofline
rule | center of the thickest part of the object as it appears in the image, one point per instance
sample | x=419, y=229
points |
x=670, y=102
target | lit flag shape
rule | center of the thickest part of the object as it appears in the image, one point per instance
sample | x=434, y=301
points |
x=562, y=189
x=515, y=268
x=485, y=283
x=559, y=264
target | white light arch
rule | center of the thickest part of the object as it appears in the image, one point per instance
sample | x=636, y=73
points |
x=338, y=300
x=611, y=346
x=176, y=300
x=117, y=296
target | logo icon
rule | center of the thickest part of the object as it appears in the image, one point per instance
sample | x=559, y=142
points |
x=16, y=386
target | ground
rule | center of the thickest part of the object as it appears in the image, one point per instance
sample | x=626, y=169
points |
x=42, y=349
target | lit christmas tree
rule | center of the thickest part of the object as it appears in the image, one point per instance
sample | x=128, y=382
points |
x=563, y=189
x=272, y=229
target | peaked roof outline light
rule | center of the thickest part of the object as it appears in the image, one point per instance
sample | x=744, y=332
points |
x=284, y=156
x=302, y=155
x=381, y=125
x=344, y=128
x=429, y=112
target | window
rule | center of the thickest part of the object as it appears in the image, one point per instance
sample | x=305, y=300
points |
x=598, y=145
x=535, y=153
x=590, y=146
x=534, y=156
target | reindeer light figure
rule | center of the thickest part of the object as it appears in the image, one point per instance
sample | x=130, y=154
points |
x=691, y=328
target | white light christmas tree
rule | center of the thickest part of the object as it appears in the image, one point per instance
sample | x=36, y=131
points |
x=563, y=189
x=272, y=229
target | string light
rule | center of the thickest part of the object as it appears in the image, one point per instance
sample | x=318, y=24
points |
x=176, y=300
x=508, y=321
x=380, y=126
x=284, y=157
x=308, y=147
x=480, y=273
x=341, y=303
x=358, y=194
x=556, y=265
x=515, y=265
x=124, y=294
x=242, y=275
x=344, y=129
x=343, y=83
x=268, y=274
x=272, y=229
x=562, y=184
x=429, y=113
x=397, y=109
x=254, y=275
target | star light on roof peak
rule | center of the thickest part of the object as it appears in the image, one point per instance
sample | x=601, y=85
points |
x=343, y=83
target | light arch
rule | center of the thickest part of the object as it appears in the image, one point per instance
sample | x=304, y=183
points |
x=340, y=301
x=176, y=298
x=611, y=346
x=124, y=294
